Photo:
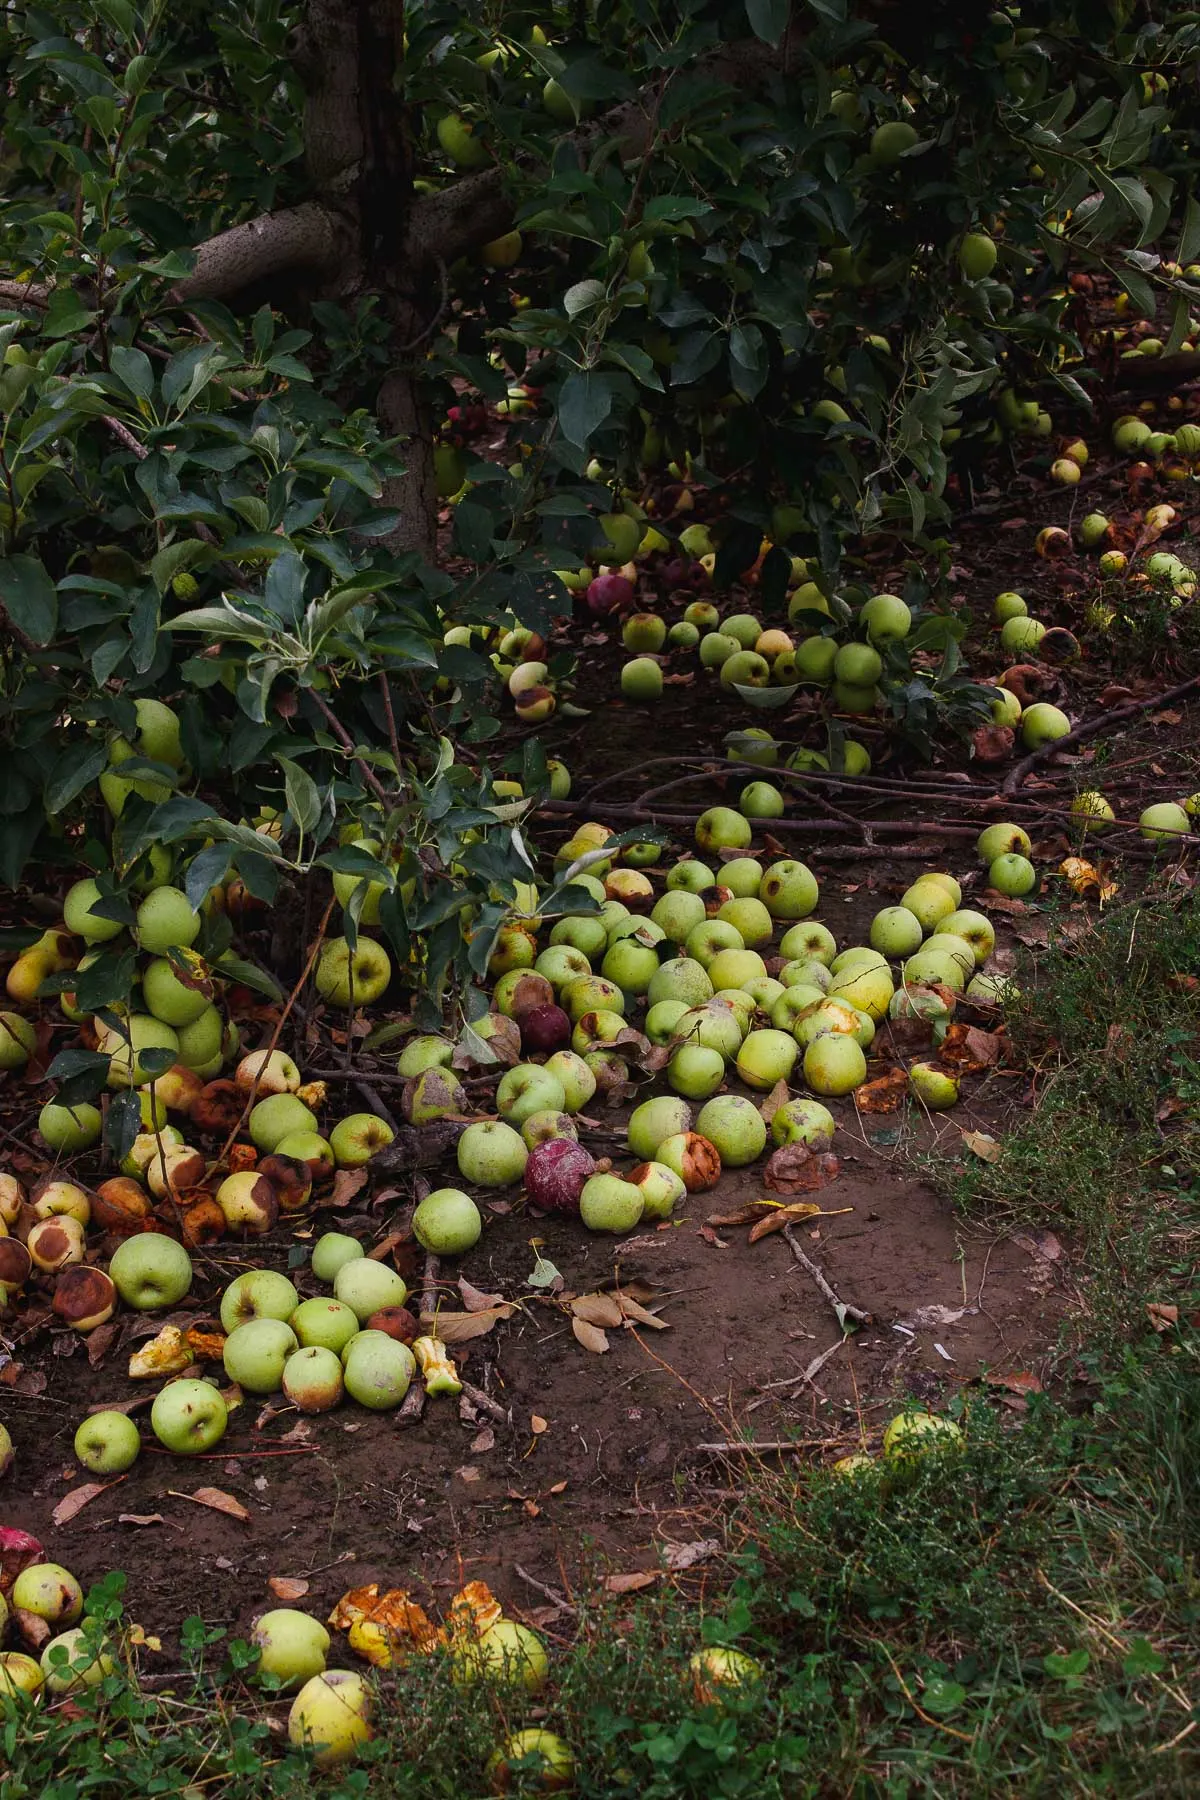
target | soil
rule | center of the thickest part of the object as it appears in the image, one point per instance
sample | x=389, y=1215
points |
x=609, y=1458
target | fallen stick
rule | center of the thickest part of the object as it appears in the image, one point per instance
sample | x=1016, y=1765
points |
x=759, y=1447
x=485, y=1403
x=1092, y=728
x=813, y=1370
x=842, y=1308
x=548, y=1593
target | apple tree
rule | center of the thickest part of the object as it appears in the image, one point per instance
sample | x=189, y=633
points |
x=272, y=274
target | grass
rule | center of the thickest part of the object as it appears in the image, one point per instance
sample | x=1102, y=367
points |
x=1018, y=1617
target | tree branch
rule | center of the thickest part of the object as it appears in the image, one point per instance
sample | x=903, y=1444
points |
x=310, y=236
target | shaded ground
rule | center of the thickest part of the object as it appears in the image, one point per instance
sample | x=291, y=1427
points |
x=609, y=1451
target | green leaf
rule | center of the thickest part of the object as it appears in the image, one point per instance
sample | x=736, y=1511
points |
x=768, y=18
x=584, y=402
x=207, y=870
x=133, y=369
x=1143, y=1659
x=942, y=1697
x=28, y=596
x=76, y=768
x=248, y=974
x=122, y=1124
x=1189, y=233
x=1069, y=1668
x=303, y=797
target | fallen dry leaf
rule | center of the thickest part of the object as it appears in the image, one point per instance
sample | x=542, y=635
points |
x=145, y=1640
x=474, y=1299
x=537, y=1424
x=777, y=1097
x=459, y=1328
x=631, y=1583
x=1020, y=1382
x=590, y=1336
x=633, y=1310
x=140, y=1519
x=216, y=1499
x=346, y=1183
x=884, y=1094
x=711, y=1239
x=483, y=1441
x=598, y=1309
x=1042, y=1244
x=79, y=1497
x=1162, y=1318
x=968, y=1048
x=780, y=1216
x=467, y=1473
x=795, y=1170
x=287, y=1587
x=986, y=1148
x=99, y=1342
x=383, y=1249
x=678, y=1557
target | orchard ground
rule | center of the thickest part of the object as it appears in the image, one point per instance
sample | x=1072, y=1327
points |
x=994, y=1291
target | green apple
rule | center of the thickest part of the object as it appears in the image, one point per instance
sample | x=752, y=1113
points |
x=742, y=875
x=49, y=1592
x=107, y=1443
x=789, y=890
x=292, y=1646
x=491, y=1154
x=79, y=918
x=540, y=1756
x=573, y=1076
x=378, y=1369
x=895, y=931
x=332, y=1250
x=331, y=1715
x=733, y=968
x=677, y=913
x=803, y=1121
x=124, y=1045
x=366, y=1286
x=721, y=828
x=662, y=1020
x=258, y=1294
x=458, y=141
x=1089, y=809
x=765, y=1057
x=750, y=918
x=654, y=1120
x=936, y=968
x=201, y=1043
x=864, y=986
x=642, y=679
x=1020, y=636
x=793, y=1003
x=311, y=1148
x=447, y=1222
x=690, y=876
x=1043, y=724
x=976, y=930
x=255, y=1353
x=631, y=964
x=705, y=942
x=1001, y=840
x=150, y=1271
x=834, y=1064
x=188, y=1417
x=273, y=1118
x=734, y=1124
x=357, y=977
x=166, y=920
x=696, y=1072
x=809, y=941
x=914, y=1433
x=176, y=1002
x=77, y=1659
x=609, y=1203
x=886, y=619
x=715, y=1026
x=313, y=1379
x=934, y=1087
x=661, y=1189
x=324, y=1324
x=929, y=900
x=66, y=1129
x=1164, y=822
x=1013, y=875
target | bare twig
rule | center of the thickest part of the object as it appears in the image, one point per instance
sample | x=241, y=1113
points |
x=485, y=1404
x=347, y=742
x=548, y=1593
x=842, y=1308
x=1092, y=728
